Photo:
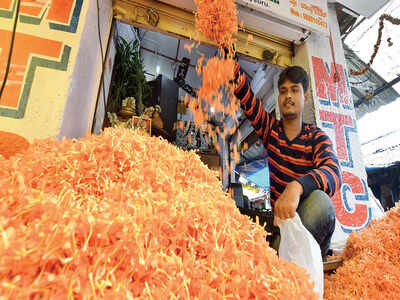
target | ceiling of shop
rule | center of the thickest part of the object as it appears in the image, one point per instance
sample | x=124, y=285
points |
x=162, y=51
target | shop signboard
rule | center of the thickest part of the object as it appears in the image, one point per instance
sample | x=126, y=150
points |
x=308, y=14
x=354, y=203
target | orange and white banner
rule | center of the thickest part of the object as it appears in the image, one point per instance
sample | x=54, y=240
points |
x=309, y=14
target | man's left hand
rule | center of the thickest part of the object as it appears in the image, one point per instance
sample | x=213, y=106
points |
x=286, y=205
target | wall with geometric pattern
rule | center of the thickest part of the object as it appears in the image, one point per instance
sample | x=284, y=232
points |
x=46, y=48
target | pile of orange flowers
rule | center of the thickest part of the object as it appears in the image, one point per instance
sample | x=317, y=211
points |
x=127, y=216
x=11, y=144
x=371, y=268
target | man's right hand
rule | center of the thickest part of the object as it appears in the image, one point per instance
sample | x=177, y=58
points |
x=288, y=201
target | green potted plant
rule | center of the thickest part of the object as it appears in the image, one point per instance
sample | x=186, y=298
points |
x=128, y=77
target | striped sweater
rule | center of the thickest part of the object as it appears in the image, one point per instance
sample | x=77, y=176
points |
x=309, y=159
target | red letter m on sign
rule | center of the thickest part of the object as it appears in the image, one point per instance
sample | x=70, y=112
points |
x=330, y=92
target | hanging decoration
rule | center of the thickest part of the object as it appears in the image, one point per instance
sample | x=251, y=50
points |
x=394, y=21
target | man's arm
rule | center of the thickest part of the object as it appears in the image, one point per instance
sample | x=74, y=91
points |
x=326, y=175
x=251, y=106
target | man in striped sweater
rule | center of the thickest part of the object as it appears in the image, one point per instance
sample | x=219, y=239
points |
x=304, y=169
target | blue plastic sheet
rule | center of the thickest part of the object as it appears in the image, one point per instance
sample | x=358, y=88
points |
x=256, y=172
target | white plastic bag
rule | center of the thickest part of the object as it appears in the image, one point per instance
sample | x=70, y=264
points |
x=299, y=246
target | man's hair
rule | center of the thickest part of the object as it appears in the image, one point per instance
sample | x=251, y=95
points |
x=295, y=74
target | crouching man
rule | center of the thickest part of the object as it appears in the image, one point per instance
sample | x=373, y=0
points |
x=304, y=168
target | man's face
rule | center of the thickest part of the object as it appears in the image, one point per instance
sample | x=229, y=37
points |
x=291, y=100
